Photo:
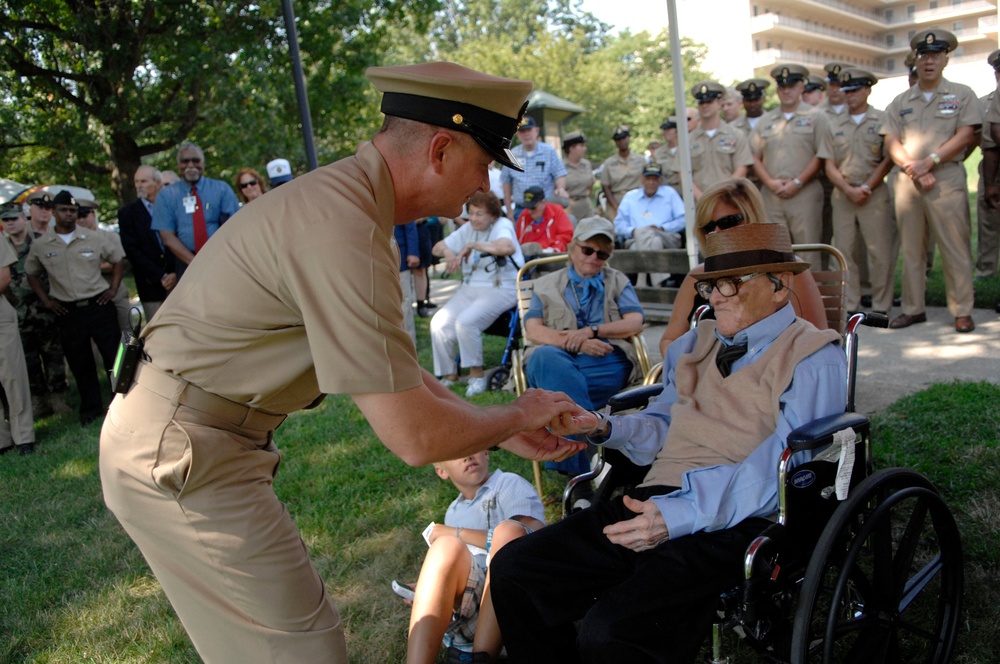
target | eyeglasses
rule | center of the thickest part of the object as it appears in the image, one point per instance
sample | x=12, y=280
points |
x=189, y=160
x=728, y=286
x=248, y=183
x=590, y=251
x=722, y=223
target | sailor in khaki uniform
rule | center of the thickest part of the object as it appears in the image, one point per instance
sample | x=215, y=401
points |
x=579, y=176
x=622, y=171
x=814, y=93
x=718, y=151
x=856, y=164
x=666, y=154
x=299, y=296
x=987, y=217
x=784, y=145
x=17, y=425
x=79, y=296
x=927, y=130
x=752, y=90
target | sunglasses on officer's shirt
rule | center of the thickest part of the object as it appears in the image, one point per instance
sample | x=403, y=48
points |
x=722, y=223
x=590, y=251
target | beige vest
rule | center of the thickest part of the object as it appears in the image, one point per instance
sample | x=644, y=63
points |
x=558, y=315
x=720, y=420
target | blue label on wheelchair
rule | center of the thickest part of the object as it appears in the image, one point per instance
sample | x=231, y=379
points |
x=803, y=478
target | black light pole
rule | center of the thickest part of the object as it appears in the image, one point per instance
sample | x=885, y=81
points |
x=300, y=84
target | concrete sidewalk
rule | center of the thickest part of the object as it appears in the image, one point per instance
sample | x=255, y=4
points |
x=892, y=363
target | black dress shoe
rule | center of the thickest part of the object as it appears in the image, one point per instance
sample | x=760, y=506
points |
x=6, y=449
x=26, y=449
x=906, y=320
x=998, y=307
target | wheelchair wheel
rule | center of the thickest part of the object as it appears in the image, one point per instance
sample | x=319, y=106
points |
x=884, y=583
x=496, y=378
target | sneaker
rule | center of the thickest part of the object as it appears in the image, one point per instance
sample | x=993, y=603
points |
x=456, y=656
x=404, y=590
x=476, y=386
x=446, y=382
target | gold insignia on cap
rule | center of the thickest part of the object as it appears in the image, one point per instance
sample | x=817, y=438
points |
x=784, y=72
x=704, y=89
x=752, y=87
x=457, y=118
x=835, y=70
x=845, y=77
x=930, y=38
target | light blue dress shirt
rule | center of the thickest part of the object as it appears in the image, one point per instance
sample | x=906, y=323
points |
x=541, y=169
x=169, y=214
x=664, y=209
x=718, y=497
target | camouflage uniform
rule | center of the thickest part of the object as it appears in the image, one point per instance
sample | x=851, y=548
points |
x=39, y=334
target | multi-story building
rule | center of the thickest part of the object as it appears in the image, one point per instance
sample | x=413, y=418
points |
x=871, y=34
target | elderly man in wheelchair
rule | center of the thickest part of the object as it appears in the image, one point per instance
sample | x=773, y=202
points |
x=656, y=560
x=643, y=577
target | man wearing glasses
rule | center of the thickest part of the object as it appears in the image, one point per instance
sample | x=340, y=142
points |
x=189, y=212
x=643, y=572
x=927, y=130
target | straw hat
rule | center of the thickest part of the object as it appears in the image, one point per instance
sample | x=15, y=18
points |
x=750, y=248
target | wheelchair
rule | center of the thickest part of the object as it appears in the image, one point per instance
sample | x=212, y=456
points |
x=858, y=566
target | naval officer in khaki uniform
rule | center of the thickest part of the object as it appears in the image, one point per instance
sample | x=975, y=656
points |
x=784, y=145
x=622, y=171
x=752, y=91
x=987, y=217
x=300, y=296
x=927, y=130
x=718, y=150
x=857, y=163
x=17, y=424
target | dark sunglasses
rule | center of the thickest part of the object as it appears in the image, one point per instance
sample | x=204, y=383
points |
x=248, y=183
x=722, y=223
x=590, y=251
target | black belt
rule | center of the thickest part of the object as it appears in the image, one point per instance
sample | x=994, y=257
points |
x=89, y=302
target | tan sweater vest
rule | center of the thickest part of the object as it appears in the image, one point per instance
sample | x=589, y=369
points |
x=718, y=420
x=558, y=315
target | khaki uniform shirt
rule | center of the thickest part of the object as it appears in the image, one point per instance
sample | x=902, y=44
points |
x=923, y=126
x=714, y=158
x=985, y=104
x=74, y=269
x=622, y=175
x=741, y=123
x=786, y=146
x=666, y=157
x=579, y=185
x=296, y=295
x=856, y=149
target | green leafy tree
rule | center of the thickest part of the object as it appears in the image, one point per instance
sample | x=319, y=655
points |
x=92, y=88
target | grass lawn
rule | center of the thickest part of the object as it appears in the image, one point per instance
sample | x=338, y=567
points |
x=73, y=588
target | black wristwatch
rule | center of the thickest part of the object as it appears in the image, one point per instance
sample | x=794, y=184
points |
x=593, y=328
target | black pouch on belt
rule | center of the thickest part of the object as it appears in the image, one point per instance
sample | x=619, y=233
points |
x=129, y=354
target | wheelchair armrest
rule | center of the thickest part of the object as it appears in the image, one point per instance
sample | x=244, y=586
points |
x=636, y=397
x=819, y=433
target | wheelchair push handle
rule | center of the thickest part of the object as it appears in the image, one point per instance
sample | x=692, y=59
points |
x=870, y=319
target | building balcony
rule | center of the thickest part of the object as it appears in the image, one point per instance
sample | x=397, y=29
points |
x=945, y=14
x=776, y=24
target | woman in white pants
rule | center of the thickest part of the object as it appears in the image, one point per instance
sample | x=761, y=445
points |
x=486, y=253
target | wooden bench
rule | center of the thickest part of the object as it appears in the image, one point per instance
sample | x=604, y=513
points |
x=656, y=302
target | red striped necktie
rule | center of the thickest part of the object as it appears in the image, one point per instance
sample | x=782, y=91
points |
x=198, y=221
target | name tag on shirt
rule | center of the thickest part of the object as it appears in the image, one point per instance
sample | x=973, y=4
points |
x=190, y=204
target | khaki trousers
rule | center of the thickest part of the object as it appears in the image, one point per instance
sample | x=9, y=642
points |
x=17, y=424
x=654, y=238
x=194, y=491
x=873, y=223
x=988, y=235
x=944, y=212
x=802, y=214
